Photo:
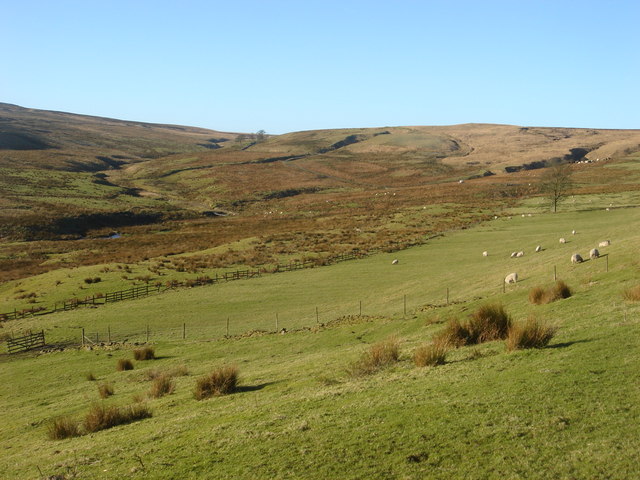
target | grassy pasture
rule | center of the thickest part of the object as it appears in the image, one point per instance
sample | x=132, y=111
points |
x=567, y=411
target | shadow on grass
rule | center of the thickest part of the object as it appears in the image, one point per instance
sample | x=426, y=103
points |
x=567, y=344
x=252, y=388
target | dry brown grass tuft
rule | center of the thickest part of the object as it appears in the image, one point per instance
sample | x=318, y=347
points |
x=144, y=353
x=63, y=427
x=105, y=390
x=124, y=364
x=540, y=295
x=632, y=294
x=489, y=322
x=379, y=355
x=222, y=381
x=531, y=333
x=101, y=417
x=430, y=354
x=162, y=385
x=454, y=334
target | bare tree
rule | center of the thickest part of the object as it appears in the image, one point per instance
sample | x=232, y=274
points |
x=556, y=183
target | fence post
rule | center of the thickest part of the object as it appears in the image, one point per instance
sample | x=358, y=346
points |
x=184, y=331
x=607, y=263
x=555, y=275
x=405, y=305
x=147, y=333
x=276, y=322
x=109, y=333
x=227, y=326
x=447, y=295
x=317, y=317
x=360, y=307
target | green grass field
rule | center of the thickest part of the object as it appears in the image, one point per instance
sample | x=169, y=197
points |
x=569, y=410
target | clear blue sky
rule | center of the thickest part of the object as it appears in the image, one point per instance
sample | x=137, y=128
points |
x=285, y=66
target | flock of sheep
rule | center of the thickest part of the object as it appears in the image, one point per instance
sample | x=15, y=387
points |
x=575, y=258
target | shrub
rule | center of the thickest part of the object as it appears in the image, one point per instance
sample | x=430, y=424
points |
x=379, y=355
x=632, y=294
x=105, y=390
x=222, y=381
x=124, y=364
x=101, y=417
x=531, y=333
x=162, y=385
x=540, y=295
x=430, y=354
x=63, y=427
x=145, y=353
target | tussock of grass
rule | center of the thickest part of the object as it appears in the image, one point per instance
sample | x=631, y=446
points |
x=540, y=295
x=162, y=385
x=63, y=427
x=101, y=417
x=124, y=364
x=179, y=371
x=632, y=294
x=379, y=355
x=489, y=322
x=90, y=377
x=145, y=353
x=430, y=354
x=531, y=333
x=105, y=390
x=222, y=381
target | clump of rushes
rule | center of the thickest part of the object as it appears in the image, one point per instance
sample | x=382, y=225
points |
x=105, y=390
x=63, y=427
x=162, y=385
x=430, y=354
x=559, y=290
x=101, y=417
x=632, y=294
x=124, y=364
x=379, y=355
x=222, y=381
x=145, y=353
x=487, y=323
x=532, y=333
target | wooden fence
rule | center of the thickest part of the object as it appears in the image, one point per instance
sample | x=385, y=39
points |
x=28, y=342
x=146, y=290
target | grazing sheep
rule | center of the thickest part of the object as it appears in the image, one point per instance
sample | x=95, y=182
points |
x=562, y=240
x=606, y=243
x=485, y=254
x=576, y=258
x=395, y=262
x=514, y=254
x=573, y=232
x=523, y=215
x=520, y=254
x=594, y=253
x=538, y=248
x=511, y=278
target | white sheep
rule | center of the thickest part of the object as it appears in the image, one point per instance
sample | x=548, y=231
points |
x=573, y=232
x=538, y=248
x=576, y=258
x=395, y=262
x=520, y=254
x=485, y=254
x=514, y=254
x=606, y=243
x=511, y=278
x=594, y=253
x=562, y=240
